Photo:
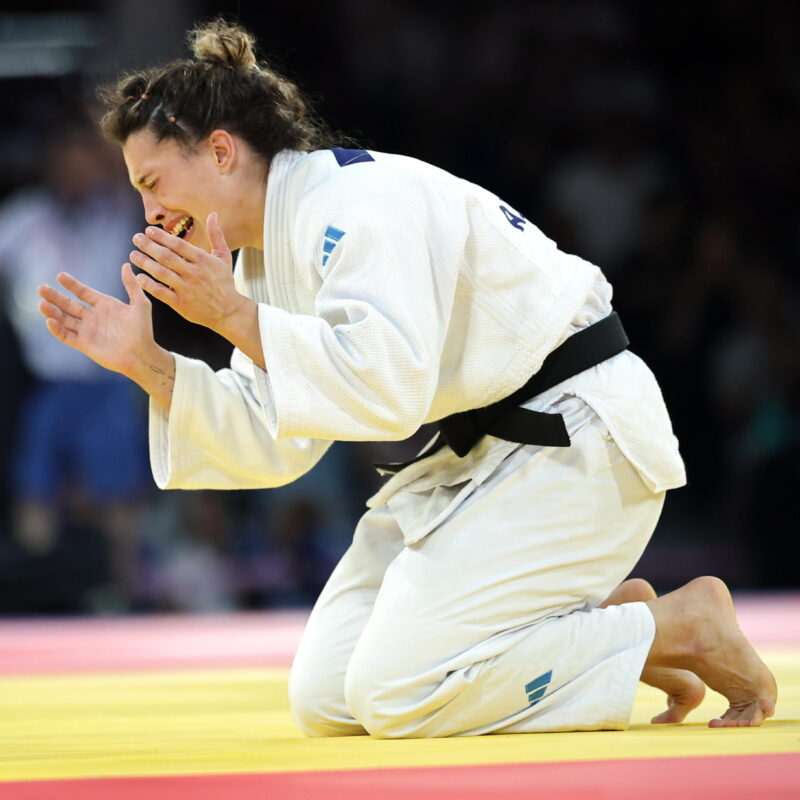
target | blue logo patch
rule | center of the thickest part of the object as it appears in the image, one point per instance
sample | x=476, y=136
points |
x=332, y=237
x=345, y=157
x=537, y=687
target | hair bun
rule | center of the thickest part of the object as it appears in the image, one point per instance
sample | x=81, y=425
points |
x=224, y=43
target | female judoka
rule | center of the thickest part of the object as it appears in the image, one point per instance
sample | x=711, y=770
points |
x=483, y=591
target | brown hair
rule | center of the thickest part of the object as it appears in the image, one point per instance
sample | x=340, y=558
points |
x=225, y=86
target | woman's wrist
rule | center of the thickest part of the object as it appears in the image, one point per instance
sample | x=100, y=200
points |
x=154, y=371
x=240, y=328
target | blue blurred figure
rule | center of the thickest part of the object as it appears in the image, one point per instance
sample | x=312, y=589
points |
x=80, y=455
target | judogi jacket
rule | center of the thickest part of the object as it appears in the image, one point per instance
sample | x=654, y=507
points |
x=391, y=294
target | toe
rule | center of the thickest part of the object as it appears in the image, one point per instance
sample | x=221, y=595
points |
x=745, y=717
x=668, y=717
x=685, y=691
x=675, y=713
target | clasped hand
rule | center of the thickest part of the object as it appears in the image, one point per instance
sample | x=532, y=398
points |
x=198, y=285
x=119, y=336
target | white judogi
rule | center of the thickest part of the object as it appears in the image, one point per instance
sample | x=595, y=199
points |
x=392, y=293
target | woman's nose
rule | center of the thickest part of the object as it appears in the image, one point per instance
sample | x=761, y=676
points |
x=154, y=214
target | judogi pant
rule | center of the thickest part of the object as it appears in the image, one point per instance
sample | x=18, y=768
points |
x=489, y=622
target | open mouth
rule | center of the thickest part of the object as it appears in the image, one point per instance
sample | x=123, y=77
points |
x=183, y=228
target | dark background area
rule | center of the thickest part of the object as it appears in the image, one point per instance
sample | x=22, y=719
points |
x=659, y=141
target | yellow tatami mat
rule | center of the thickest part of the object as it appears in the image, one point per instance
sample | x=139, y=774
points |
x=234, y=720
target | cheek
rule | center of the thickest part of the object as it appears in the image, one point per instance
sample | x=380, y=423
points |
x=199, y=234
x=202, y=187
x=197, y=202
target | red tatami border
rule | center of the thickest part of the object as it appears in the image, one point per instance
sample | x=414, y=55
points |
x=772, y=777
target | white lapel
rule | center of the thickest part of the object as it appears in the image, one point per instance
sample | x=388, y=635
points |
x=281, y=284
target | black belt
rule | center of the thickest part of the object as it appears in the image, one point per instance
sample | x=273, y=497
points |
x=505, y=419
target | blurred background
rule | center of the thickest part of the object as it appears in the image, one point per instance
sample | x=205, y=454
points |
x=658, y=140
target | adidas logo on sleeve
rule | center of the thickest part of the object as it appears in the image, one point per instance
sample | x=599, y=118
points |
x=332, y=238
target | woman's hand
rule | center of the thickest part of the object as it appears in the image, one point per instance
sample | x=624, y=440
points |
x=117, y=335
x=196, y=284
x=199, y=285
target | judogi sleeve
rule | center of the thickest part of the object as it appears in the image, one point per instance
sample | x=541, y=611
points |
x=366, y=365
x=215, y=436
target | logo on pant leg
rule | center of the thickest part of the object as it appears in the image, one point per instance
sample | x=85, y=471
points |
x=537, y=687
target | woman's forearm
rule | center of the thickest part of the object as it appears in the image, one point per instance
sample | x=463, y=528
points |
x=155, y=373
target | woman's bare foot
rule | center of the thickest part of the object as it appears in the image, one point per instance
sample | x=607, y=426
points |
x=684, y=689
x=696, y=629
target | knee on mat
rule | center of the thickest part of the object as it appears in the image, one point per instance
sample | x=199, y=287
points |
x=316, y=711
x=381, y=702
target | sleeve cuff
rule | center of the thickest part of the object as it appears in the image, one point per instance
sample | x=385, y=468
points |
x=164, y=427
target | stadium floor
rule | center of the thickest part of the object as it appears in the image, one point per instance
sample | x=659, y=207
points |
x=196, y=707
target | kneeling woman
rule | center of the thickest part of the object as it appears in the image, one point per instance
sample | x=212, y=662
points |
x=374, y=293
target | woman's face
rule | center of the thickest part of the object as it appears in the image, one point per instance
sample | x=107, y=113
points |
x=179, y=189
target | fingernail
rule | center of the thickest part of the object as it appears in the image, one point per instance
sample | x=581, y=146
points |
x=151, y=231
x=138, y=239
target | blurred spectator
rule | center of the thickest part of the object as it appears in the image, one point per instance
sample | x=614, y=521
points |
x=79, y=458
x=191, y=566
x=756, y=392
x=598, y=196
x=286, y=564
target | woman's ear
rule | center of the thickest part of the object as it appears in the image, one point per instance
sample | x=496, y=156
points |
x=223, y=149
